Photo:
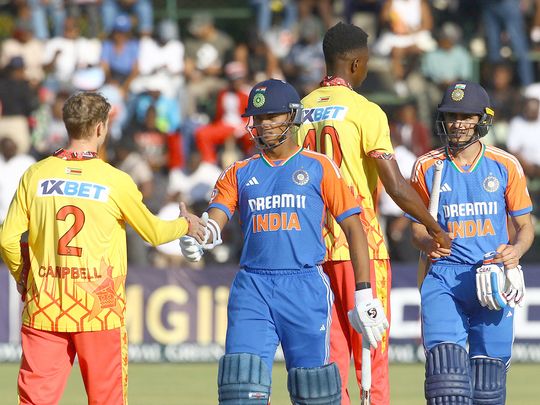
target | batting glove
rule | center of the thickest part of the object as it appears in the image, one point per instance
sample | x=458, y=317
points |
x=490, y=281
x=368, y=317
x=191, y=249
x=514, y=286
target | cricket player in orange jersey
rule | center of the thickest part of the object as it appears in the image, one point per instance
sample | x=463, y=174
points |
x=352, y=130
x=75, y=208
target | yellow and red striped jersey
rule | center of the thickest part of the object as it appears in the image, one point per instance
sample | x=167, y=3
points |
x=75, y=212
x=347, y=127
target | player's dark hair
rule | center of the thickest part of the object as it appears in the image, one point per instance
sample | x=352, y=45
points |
x=83, y=111
x=341, y=39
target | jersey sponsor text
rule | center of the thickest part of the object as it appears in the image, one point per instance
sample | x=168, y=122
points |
x=470, y=209
x=331, y=112
x=277, y=201
x=72, y=188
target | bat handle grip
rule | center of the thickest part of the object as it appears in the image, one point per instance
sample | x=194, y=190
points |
x=366, y=371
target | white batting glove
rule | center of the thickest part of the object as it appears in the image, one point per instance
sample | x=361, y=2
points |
x=213, y=233
x=490, y=280
x=514, y=286
x=191, y=249
x=368, y=317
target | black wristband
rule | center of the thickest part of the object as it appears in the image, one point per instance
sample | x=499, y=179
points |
x=363, y=285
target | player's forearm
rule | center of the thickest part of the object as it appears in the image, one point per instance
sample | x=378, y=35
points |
x=523, y=239
x=358, y=247
x=10, y=251
x=409, y=201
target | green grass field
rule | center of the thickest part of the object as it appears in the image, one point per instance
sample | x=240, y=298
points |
x=194, y=384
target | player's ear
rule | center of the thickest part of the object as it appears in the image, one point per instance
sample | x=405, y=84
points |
x=355, y=65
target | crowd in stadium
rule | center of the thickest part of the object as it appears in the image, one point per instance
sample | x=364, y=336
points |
x=179, y=86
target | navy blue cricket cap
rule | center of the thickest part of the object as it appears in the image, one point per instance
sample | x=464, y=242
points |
x=465, y=97
x=271, y=97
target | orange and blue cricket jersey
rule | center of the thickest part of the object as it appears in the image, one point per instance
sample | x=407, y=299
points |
x=474, y=203
x=282, y=208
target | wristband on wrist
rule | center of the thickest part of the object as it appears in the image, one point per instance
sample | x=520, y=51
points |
x=363, y=285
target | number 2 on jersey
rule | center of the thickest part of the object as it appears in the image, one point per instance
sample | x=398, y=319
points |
x=63, y=243
x=318, y=142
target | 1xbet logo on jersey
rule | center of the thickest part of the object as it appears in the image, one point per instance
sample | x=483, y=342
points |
x=71, y=188
x=331, y=112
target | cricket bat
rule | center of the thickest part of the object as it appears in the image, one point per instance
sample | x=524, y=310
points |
x=366, y=372
x=423, y=261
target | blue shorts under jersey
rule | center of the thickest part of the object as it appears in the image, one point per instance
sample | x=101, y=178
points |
x=289, y=307
x=452, y=313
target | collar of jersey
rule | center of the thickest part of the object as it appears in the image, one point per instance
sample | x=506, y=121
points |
x=334, y=81
x=282, y=162
x=70, y=155
x=472, y=167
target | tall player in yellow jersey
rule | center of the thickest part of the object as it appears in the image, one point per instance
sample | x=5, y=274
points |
x=75, y=207
x=354, y=132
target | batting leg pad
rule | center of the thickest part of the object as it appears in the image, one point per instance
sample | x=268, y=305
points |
x=448, y=377
x=243, y=379
x=489, y=381
x=315, y=386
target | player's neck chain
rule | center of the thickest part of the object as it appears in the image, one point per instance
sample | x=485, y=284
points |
x=334, y=81
x=71, y=155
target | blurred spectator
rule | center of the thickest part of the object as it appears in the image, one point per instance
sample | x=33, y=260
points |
x=141, y=9
x=43, y=10
x=408, y=132
x=323, y=9
x=118, y=116
x=506, y=15
x=23, y=44
x=524, y=133
x=17, y=102
x=50, y=133
x=206, y=54
x=67, y=54
x=196, y=186
x=304, y=65
x=163, y=58
x=12, y=167
x=150, y=140
x=91, y=10
x=167, y=109
x=130, y=161
x=265, y=10
x=120, y=53
x=450, y=61
x=505, y=100
x=228, y=122
x=407, y=26
x=258, y=59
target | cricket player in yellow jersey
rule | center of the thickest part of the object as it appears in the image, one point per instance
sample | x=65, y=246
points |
x=343, y=124
x=75, y=207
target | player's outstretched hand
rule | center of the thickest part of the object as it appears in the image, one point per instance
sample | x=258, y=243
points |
x=197, y=226
x=368, y=318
